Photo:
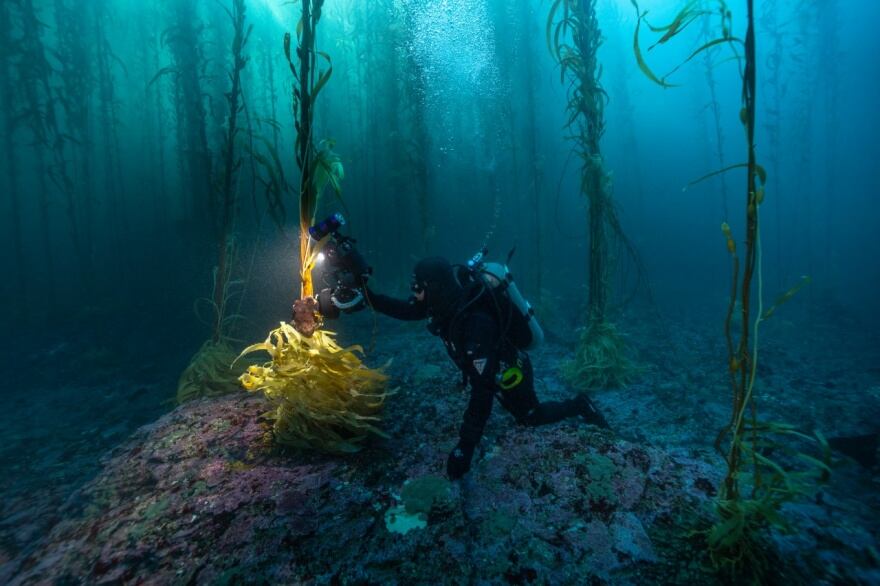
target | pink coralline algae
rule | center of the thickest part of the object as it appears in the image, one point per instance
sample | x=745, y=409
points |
x=204, y=496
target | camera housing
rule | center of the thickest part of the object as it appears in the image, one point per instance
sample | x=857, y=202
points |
x=330, y=225
x=344, y=271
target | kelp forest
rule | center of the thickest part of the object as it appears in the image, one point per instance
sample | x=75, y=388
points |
x=642, y=231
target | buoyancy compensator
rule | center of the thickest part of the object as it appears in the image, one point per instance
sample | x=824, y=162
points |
x=517, y=316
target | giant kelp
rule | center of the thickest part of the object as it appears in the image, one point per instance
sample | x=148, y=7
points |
x=37, y=114
x=535, y=164
x=48, y=61
x=313, y=162
x=772, y=106
x=418, y=139
x=574, y=38
x=805, y=54
x=227, y=192
x=154, y=112
x=761, y=470
x=8, y=94
x=829, y=58
x=114, y=177
x=325, y=397
x=183, y=40
x=211, y=367
x=74, y=96
x=714, y=107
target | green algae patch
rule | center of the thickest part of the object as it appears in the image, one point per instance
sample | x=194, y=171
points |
x=154, y=510
x=174, y=439
x=419, y=498
x=600, y=469
x=220, y=424
x=148, y=520
x=199, y=487
x=397, y=520
x=422, y=494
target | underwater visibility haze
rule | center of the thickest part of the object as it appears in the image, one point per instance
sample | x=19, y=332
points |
x=439, y=291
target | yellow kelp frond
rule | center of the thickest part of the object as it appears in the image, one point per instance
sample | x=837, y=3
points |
x=600, y=360
x=785, y=297
x=325, y=397
x=209, y=374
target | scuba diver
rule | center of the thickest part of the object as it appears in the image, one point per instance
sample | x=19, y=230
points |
x=485, y=325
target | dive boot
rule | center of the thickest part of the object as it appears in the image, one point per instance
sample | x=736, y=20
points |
x=588, y=411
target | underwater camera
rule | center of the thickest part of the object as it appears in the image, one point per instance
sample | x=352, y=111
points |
x=344, y=271
x=330, y=225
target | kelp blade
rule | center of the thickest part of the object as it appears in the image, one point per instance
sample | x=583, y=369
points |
x=325, y=397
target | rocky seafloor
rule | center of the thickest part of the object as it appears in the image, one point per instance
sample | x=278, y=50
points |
x=202, y=495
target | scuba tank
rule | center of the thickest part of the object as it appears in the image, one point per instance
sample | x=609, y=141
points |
x=517, y=315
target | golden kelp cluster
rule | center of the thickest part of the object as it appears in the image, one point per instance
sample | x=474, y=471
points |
x=600, y=360
x=325, y=397
x=209, y=373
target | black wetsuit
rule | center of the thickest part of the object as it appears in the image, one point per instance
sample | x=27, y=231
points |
x=475, y=342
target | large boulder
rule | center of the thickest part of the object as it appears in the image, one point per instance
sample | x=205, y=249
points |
x=204, y=496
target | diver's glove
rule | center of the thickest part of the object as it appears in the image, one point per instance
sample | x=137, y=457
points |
x=459, y=461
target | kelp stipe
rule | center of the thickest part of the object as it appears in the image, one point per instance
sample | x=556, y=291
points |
x=600, y=359
x=37, y=114
x=108, y=113
x=11, y=123
x=715, y=109
x=325, y=398
x=210, y=371
x=755, y=486
x=183, y=42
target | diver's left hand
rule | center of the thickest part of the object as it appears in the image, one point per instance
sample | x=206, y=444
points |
x=459, y=461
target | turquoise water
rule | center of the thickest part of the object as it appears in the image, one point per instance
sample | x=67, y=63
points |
x=150, y=202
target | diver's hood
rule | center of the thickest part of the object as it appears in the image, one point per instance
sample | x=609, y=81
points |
x=443, y=293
